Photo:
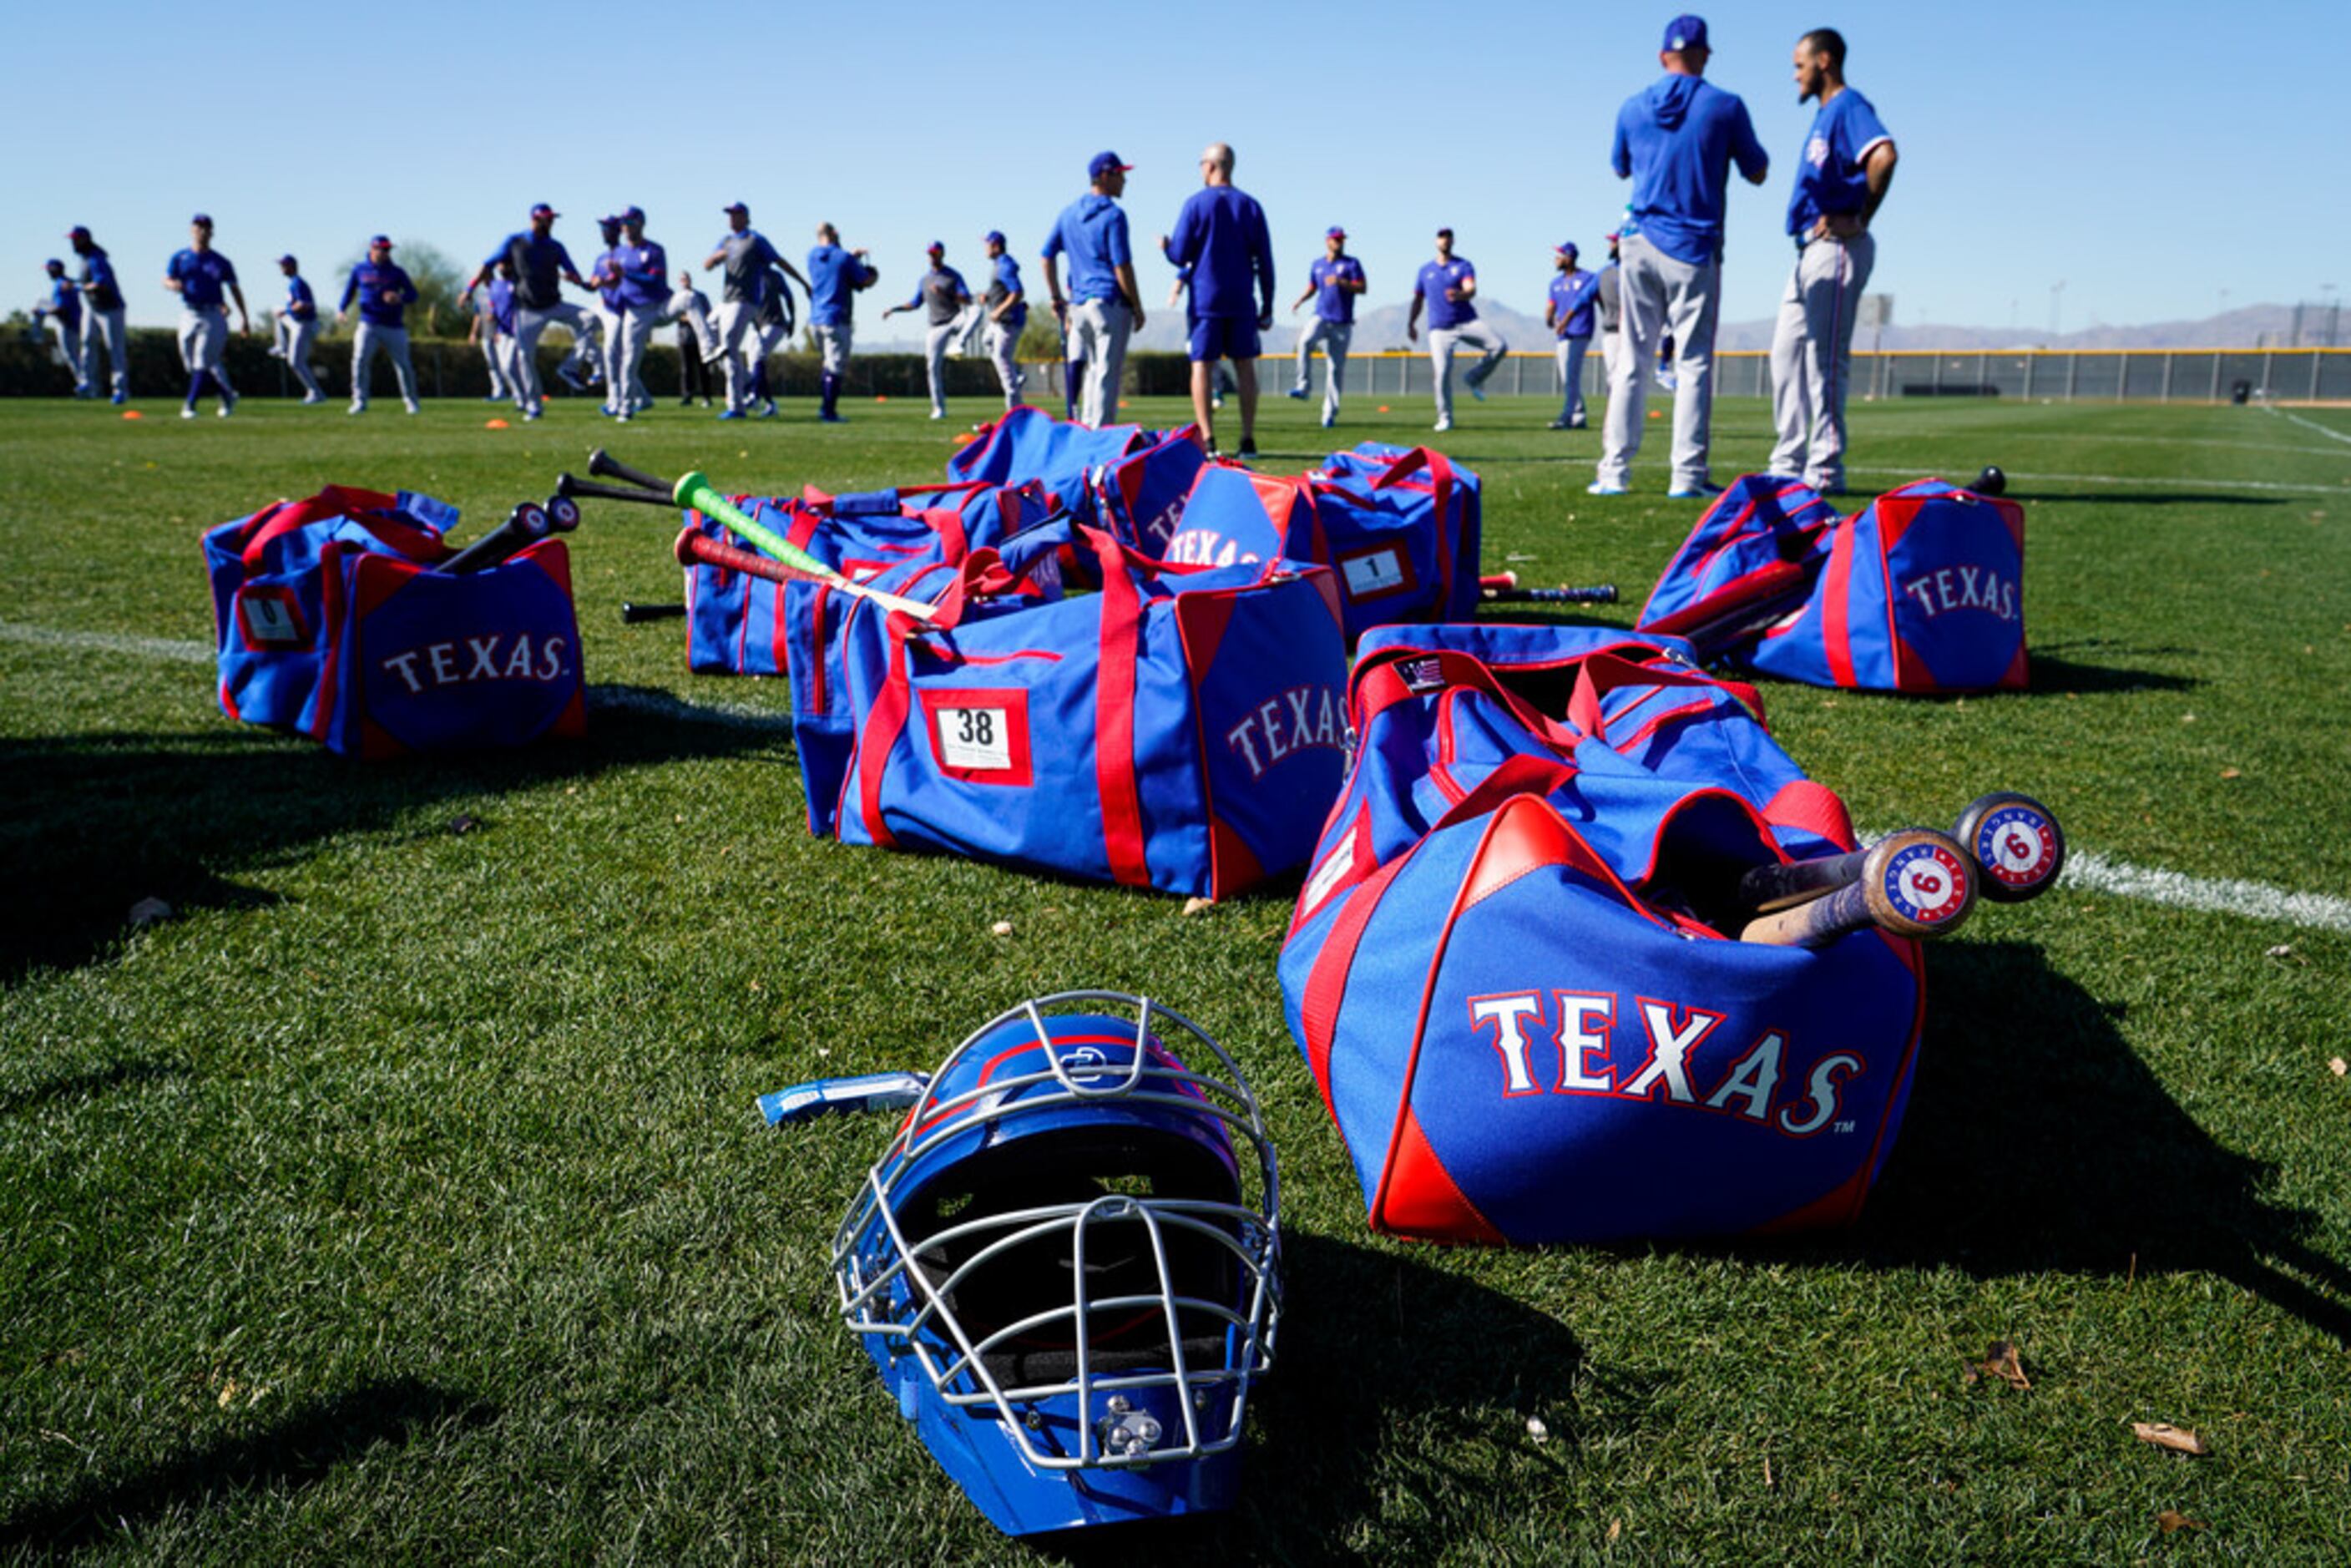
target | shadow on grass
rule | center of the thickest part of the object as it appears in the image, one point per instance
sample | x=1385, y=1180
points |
x=94, y=1080
x=296, y=1450
x=1396, y=1377
x=2054, y=673
x=2036, y=1140
x=99, y=821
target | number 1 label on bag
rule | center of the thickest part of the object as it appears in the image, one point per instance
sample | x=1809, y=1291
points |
x=980, y=737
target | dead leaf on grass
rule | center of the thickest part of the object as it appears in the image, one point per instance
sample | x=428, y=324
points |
x=2232, y=773
x=2337, y=1066
x=2164, y=1435
x=2001, y=1360
x=1002, y=928
x=1194, y=904
x=2171, y=1519
x=1616, y=1528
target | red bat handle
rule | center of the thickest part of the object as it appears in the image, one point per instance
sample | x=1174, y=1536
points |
x=695, y=546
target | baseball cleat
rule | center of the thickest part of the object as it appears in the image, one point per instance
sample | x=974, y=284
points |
x=189, y=411
x=1298, y=392
x=1601, y=487
x=731, y=413
x=1443, y=424
x=1328, y=420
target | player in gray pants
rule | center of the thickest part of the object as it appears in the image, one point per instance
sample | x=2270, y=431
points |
x=943, y=294
x=102, y=318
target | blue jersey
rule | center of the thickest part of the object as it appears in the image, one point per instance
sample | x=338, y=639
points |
x=300, y=303
x=1093, y=231
x=1675, y=141
x=98, y=281
x=744, y=261
x=1220, y=237
x=1007, y=284
x=65, y=301
x=1828, y=176
x=502, y=306
x=1332, y=303
x=834, y=278
x=1434, y=280
x=1573, y=297
x=204, y=276
x=644, y=273
x=540, y=263
x=369, y=284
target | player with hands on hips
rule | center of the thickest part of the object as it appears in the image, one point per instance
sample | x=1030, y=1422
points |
x=1448, y=287
x=539, y=261
x=1103, y=305
x=1568, y=311
x=943, y=293
x=1842, y=179
x=102, y=323
x=61, y=313
x=1333, y=283
x=384, y=292
x=200, y=275
x=296, y=328
x=835, y=277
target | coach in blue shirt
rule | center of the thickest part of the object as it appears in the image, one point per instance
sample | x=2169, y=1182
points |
x=1675, y=141
x=1103, y=307
x=384, y=292
x=834, y=278
x=1220, y=238
x=1848, y=163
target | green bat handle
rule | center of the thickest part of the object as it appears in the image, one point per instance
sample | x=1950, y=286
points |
x=696, y=491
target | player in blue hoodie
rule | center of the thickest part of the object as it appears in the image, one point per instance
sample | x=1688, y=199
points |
x=1675, y=141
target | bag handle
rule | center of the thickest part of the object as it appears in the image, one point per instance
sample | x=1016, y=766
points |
x=1378, y=686
x=1604, y=673
x=1519, y=775
x=271, y=524
x=1441, y=482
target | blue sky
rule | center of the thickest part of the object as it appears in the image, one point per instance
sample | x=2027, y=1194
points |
x=2148, y=157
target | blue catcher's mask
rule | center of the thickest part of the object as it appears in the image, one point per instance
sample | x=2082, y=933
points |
x=1066, y=1264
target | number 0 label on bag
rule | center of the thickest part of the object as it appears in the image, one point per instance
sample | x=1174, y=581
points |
x=979, y=735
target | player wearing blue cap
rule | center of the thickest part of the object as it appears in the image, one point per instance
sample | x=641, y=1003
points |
x=636, y=274
x=1005, y=307
x=1103, y=305
x=199, y=276
x=384, y=292
x=1447, y=285
x=834, y=278
x=61, y=313
x=1675, y=140
x=296, y=329
x=1841, y=180
x=539, y=262
x=1568, y=312
x=943, y=294
x=1220, y=238
x=1333, y=283
x=750, y=261
x=102, y=324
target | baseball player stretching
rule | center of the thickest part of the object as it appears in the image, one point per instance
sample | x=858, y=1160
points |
x=1568, y=312
x=835, y=277
x=199, y=275
x=604, y=319
x=62, y=315
x=775, y=322
x=102, y=319
x=748, y=259
x=943, y=292
x=482, y=328
x=1848, y=163
x=384, y=292
x=1005, y=308
x=1333, y=283
x=637, y=270
x=539, y=261
x=298, y=328
x=1675, y=141
x=1447, y=285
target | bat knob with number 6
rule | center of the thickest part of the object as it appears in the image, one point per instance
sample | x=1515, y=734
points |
x=2016, y=841
x=1916, y=882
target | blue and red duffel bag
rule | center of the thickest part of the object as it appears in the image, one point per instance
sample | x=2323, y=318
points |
x=1399, y=528
x=330, y=620
x=1122, y=477
x=1183, y=728
x=1502, y=974
x=734, y=622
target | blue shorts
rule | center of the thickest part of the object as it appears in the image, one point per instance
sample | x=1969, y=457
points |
x=1224, y=338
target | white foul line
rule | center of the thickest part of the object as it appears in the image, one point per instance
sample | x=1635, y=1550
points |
x=2305, y=424
x=2127, y=479
x=170, y=648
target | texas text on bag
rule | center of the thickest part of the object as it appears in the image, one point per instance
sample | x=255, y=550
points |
x=1503, y=974
x=329, y=621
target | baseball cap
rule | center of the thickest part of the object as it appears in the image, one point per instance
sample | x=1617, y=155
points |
x=1565, y=247
x=76, y=232
x=1447, y=233
x=1612, y=236
x=1104, y=162
x=1334, y=232
x=935, y=248
x=544, y=211
x=633, y=215
x=1685, y=32
x=287, y=261
x=383, y=240
x=736, y=207
x=204, y=218
x=993, y=237
x=54, y=264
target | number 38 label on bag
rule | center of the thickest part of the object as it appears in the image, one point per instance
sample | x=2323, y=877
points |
x=979, y=735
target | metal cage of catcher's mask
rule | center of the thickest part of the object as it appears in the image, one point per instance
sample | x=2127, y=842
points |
x=1066, y=1264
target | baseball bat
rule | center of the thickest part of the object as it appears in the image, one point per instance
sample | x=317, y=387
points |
x=1991, y=482
x=632, y=612
x=1499, y=580
x=1599, y=593
x=695, y=546
x=2012, y=840
x=694, y=492
x=524, y=527
x=604, y=465
x=1916, y=882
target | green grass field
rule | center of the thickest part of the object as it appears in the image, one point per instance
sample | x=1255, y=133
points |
x=404, y=1199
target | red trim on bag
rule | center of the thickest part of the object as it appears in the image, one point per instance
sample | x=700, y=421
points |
x=1233, y=866
x=1011, y=702
x=1418, y=1197
x=1121, y=619
x=883, y=724
x=266, y=525
x=1343, y=866
x=330, y=613
x=1326, y=982
x=291, y=604
x=1815, y=808
x=1836, y=630
x=2018, y=677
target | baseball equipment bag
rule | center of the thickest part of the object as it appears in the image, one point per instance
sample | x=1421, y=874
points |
x=1181, y=730
x=330, y=620
x=1398, y=528
x=1921, y=591
x=734, y=622
x=1122, y=477
x=1505, y=970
